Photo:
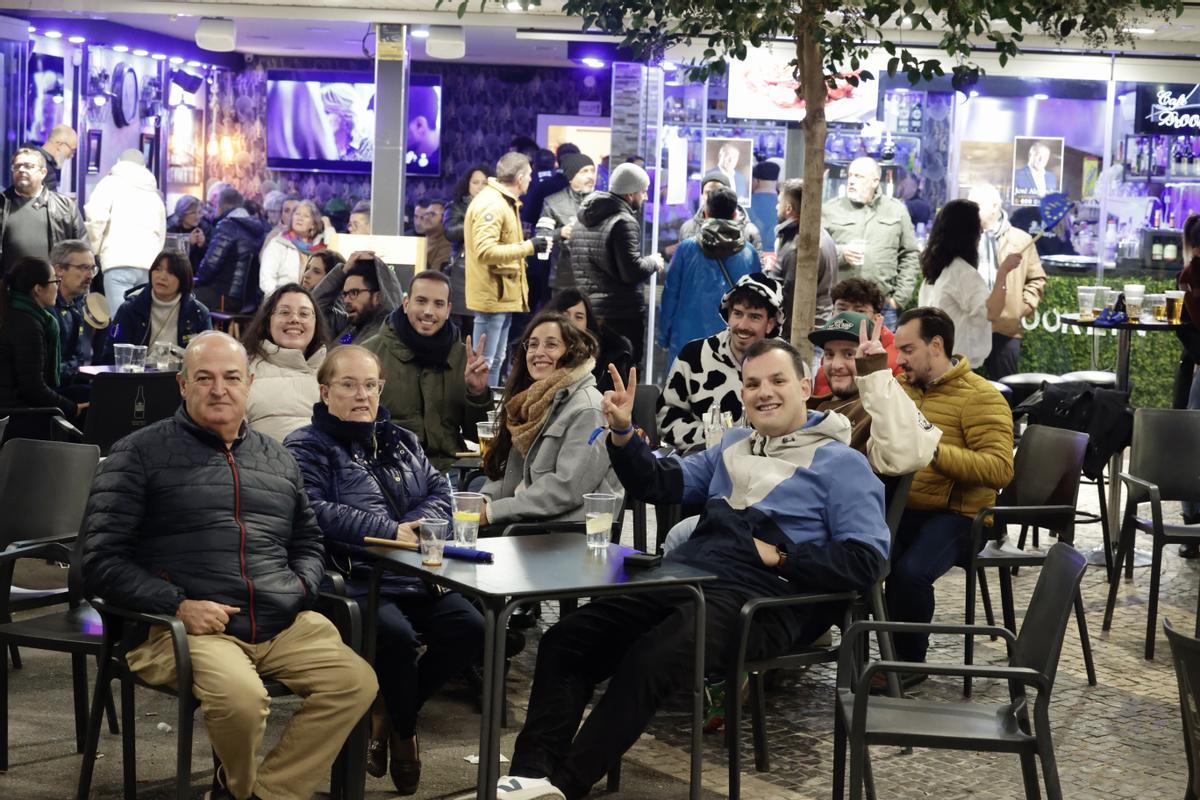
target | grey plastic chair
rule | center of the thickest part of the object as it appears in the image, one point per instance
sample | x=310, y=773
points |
x=861, y=720
x=1186, y=653
x=1164, y=462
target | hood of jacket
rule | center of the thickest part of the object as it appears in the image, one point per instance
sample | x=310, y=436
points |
x=721, y=238
x=599, y=206
x=821, y=428
x=135, y=176
x=291, y=360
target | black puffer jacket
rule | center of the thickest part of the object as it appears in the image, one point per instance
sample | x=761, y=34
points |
x=174, y=515
x=454, y=222
x=230, y=264
x=606, y=257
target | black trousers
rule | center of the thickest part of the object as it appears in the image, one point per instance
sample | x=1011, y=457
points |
x=1006, y=350
x=644, y=646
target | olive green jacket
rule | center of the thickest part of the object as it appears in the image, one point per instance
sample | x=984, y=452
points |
x=431, y=403
x=887, y=229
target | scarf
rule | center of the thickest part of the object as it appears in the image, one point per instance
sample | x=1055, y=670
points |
x=428, y=351
x=50, y=332
x=304, y=247
x=525, y=412
x=1189, y=281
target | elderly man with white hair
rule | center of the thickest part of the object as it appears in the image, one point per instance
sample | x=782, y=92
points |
x=875, y=236
x=1023, y=286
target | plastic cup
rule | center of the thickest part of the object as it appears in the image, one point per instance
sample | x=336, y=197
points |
x=485, y=432
x=1175, y=307
x=598, y=510
x=124, y=357
x=467, y=507
x=545, y=254
x=433, y=541
x=1087, y=299
x=1158, y=306
x=137, y=358
x=160, y=356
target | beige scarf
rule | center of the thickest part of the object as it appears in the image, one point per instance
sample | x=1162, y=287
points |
x=525, y=412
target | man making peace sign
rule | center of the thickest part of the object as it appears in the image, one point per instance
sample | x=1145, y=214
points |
x=789, y=508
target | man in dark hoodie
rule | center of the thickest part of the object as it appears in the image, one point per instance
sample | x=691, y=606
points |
x=562, y=208
x=691, y=228
x=606, y=254
x=357, y=297
x=227, y=278
x=703, y=269
x=790, y=197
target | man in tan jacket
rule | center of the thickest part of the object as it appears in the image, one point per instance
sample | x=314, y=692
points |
x=1023, y=285
x=496, y=248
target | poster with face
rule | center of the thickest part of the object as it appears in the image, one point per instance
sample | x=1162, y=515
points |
x=1037, y=168
x=735, y=159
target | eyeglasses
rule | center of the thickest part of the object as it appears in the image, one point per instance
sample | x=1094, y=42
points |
x=352, y=294
x=350, y=386
x=25, y=166
x=548, y=346
x=55, y=281
x=89, y=268
x=286, y=312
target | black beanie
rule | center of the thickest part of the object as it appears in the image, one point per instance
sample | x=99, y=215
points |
x=571, y=163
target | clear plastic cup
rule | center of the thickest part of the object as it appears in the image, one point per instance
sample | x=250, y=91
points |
x=160, y=356
x=124, y=357
x=1175, y=307
x=137, y=358
x=467, y=507
x=598, y=511
x=433, y=541
x=1087, y=299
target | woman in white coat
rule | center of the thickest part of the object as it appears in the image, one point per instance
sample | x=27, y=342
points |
x=286, y=344
x=950, y=264
x=284, y=257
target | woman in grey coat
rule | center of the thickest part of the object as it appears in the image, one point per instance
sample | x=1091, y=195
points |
x=540, y=464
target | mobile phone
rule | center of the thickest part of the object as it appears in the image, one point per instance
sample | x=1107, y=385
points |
x=636, y=560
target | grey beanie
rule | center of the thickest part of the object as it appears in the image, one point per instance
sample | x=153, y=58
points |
x=628, y=179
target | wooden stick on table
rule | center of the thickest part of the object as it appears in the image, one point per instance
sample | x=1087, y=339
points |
x=391, y=543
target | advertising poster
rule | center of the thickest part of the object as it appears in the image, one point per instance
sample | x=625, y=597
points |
x=1037, y=168
x=734, y=158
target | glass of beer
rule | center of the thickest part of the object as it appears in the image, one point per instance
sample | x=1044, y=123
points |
x=1175, y=307
x=598, y=509
x=486, y=433
x=1158, y=306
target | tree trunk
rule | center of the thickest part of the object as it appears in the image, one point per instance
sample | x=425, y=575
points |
x=808, y=239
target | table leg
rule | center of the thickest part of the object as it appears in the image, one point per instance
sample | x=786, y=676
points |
x=370, y=623
x=698, y=695
x=493, y=694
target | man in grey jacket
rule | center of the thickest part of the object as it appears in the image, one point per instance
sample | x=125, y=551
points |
x=562, y=209
x=790, y=197
x=875, y=237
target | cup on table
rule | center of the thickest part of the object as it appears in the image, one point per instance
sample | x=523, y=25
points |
x=1175, y=307
x=485, y=432
x=598, y=511
x=124, y=357
x=1158, y=306
x=493, y=416
x=160, y=356
x=467, y=507
x=1086, y=296
x=433, y=541
x=1100, y=300
x=137, y=358
x=1135, y=295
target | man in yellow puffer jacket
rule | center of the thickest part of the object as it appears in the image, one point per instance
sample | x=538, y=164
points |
x=495, y=248
x=973, y=460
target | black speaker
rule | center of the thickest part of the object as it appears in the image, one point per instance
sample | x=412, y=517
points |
x=187, y=81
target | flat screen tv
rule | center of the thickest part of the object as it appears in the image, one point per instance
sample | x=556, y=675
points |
x=325, y=122
x=762, y=87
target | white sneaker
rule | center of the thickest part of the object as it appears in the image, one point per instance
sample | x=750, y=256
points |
x=514, y=788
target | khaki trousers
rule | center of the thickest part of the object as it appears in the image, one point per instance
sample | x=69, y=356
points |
x=227, y=676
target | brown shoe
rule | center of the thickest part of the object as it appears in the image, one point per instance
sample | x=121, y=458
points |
x=377, y=757
x=406, y=764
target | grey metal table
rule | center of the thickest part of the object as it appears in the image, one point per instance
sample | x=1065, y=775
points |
x=550, y=566
x=1125, y=333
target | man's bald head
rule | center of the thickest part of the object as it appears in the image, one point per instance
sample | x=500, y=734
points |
x=206, y=340
x=862, y=179
x=991, y=205
x=62, y=142
x=215, y=384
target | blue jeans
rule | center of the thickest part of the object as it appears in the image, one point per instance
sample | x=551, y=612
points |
x=118, y=281
x=496, y=327
x=928, y=544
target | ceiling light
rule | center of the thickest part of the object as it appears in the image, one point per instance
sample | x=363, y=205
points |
x=1140, y=31
x=159, y=57
x=32, y=29
x=53, y=34
x=175, y=60
x=120, y=48
x=420, y=33
x=194, y=64
x=594, y=63
x=140, y=52
x=1041, y=96
x=76, y=40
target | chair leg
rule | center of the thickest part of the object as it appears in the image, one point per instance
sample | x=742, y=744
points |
x=128, y=741
x=1049, y=765
x=986, y=594
x=1124, y=545
x=16, y=656
x=887, y=647
x=79, y=691
x=3, y=711
x=1152, y=607
x=839, y=753
x=183, y=747
x=1029, y=776
x=733, y=731
x=1006, y=599
x=869, y=775
x=1035, y=538
x=1108, y=548
x=1021, y=537
x=969, y=614
x=758, y=723
x=110, y=708
x=1084, y=640
x=566, y=606
x=614, y=776
x=92, y=740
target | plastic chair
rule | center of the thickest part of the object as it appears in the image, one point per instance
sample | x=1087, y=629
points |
x=1185, y=651
x=861, y=720
x=1043, y=493
x=44, y=490
x=896, y=492
x=1163, y=463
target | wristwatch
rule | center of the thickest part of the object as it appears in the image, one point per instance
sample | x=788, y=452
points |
x=783, y=557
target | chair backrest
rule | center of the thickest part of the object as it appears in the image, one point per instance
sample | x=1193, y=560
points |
x=645, y=403
x=44, y=487
x=1185, y=651
x=1040, y=640
x=3, y=427
x=123, y=402
x=1046, y=470
x=895, y=498
x=1166, y=452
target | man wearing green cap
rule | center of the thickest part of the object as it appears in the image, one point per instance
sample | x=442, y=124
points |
x=887, y=426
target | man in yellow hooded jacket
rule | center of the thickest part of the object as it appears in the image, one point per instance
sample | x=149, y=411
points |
x=973, y=461
x=495, y=247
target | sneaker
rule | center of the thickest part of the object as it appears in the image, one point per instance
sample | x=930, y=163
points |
x=1189, y=551
x=514, y=788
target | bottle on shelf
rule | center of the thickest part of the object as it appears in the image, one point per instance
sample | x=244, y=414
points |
x=1139, y=159
x=914, y=117
x=1177, y=161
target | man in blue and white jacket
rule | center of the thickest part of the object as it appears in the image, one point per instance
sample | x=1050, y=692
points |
x=790, y=508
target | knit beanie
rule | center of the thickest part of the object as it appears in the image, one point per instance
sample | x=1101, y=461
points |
x=628, y=179
x=571, y=163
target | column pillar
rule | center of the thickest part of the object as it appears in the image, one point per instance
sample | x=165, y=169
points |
x=391, y=130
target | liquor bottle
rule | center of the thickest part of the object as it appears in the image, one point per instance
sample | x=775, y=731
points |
x=139, y=404
x=889, y=148
x=1177, y=165
x=914, y=118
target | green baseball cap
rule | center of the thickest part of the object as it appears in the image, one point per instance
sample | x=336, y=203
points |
x=842, y=326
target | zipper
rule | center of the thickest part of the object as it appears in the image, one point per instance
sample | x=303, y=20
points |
x=237, y=515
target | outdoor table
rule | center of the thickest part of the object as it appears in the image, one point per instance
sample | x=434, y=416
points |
x=1125, y=333
x=550, y=566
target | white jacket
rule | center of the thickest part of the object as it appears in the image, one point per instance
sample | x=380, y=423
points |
x=281, y=262
x=284, y=390
x=962, y=293
x=126, y=218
